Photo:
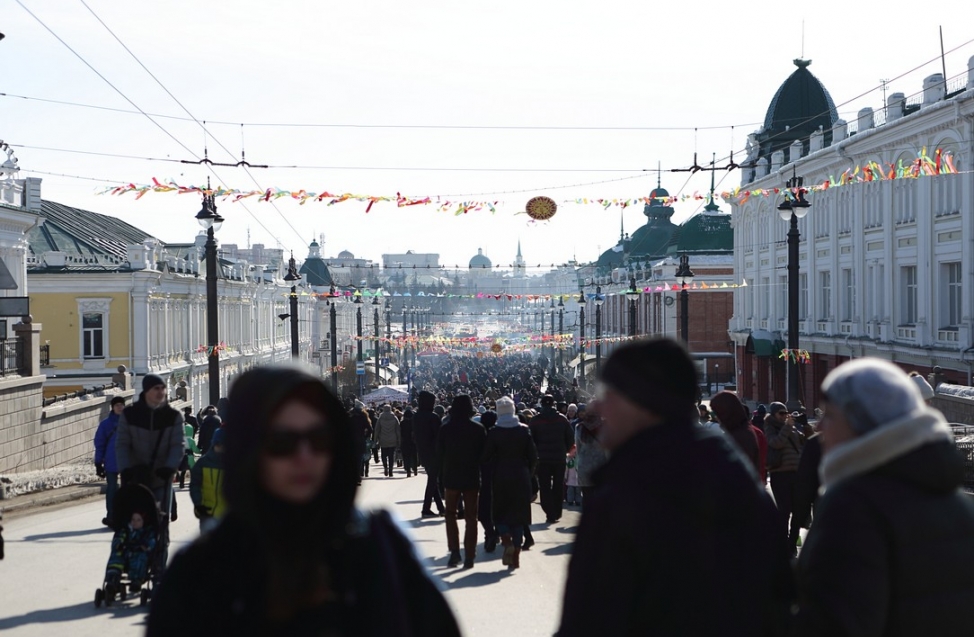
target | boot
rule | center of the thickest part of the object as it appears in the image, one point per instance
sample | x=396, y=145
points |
x=516, y=559
x=468, y=561
x=508, y=545
x=454, y=559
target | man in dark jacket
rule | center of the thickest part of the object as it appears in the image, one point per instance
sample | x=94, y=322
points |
x=553, y=436
x=149, y=444
x=891, y=551
x=459, y=450
x=426, y=427
x=208, y=427
x=677, y=537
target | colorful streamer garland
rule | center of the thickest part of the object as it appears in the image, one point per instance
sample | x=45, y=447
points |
x=221, y=347
x=796, y=355
x=942, y=163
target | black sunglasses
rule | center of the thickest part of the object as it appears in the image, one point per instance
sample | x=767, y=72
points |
x=282, y=442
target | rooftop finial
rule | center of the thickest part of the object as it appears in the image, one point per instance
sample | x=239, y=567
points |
x=659, y=174
x=802, y=63
x=711, y=207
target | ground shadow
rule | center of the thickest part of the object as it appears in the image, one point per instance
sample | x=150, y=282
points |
x=72, y=613
x=477, y=578
x=65, y=534
x=567, y=529
x=558, y=549
x=409, y=502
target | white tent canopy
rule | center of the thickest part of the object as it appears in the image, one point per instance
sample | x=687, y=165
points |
x=389, y=393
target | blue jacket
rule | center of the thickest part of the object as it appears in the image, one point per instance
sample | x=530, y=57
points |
x=105, y=443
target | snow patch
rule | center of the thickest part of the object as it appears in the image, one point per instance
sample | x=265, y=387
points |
x=957, y=391
x=53, y=478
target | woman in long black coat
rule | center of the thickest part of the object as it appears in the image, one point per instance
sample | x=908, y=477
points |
x=293, y=555
x=511, y=453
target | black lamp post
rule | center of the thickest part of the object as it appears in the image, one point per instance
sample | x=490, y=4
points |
x=633, y=295
x=358, y=331
x=581, y=334
x=388, y=347
x=375, y=323
x=684, y=275
x=551, y=333
x=211, y=222
x=561, y=332
x=598, y=329
x=334, y=341
x=792, y=210
x=293, y=277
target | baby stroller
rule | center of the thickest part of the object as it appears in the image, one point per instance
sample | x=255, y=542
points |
x=133, y=549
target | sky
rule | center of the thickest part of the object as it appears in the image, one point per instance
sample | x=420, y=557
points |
x=435, y=99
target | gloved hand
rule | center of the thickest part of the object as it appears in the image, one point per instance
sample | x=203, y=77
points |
x=165, y=473
x=201, y=511
x=100, y=469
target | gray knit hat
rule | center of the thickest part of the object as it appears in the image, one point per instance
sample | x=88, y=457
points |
x=872, y=393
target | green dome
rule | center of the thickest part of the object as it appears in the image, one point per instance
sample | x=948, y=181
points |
x=480, y=261
x=704, y=233
x=316, y=273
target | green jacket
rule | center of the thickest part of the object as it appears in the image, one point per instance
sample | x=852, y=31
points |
x=206, y=483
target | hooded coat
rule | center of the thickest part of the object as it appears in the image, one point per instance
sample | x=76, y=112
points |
x=512, y=457
x=387, y=432
x=256, y=572
x=733, y=419
x=891, y=550
x=677, y=538
x=426, y=427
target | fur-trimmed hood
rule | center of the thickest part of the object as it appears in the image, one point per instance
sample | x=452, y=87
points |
x=887, y=447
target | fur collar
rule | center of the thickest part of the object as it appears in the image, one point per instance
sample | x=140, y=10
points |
x=880, y=446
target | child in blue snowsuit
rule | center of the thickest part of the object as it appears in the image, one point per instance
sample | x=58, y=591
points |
x=132, y=547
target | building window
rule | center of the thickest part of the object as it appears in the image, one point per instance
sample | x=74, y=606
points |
x=950, y=276
x=766, y=286
x=94, y=314
x=908, y=285
x=802, y=295
x=848, y=295
x=93, y=335
x=782, y=296
x=825, y=287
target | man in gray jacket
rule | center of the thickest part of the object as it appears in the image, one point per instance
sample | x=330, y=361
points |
x=388, y=437
x=149, y=444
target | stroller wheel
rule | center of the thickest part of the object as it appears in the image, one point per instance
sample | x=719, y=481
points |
x=143, y=597
x=99, y=597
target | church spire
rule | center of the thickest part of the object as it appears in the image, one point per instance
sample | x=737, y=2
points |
x=518, y=248
x=711, y=207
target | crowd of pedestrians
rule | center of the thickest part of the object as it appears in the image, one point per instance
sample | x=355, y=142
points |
x=695, y=519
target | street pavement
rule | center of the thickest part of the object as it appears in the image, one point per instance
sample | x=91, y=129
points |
x=56, y=559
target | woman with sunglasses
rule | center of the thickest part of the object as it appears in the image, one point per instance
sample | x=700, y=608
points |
x=293, y=556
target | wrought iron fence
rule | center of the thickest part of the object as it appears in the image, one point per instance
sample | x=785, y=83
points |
x=45, y=355
x=967, y=448
x=11, y=356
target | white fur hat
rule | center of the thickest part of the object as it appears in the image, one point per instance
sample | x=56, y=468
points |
x=925, y=389
x=505, y=406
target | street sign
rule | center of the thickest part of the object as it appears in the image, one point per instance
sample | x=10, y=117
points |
x=360, y=368
x=385, y=362
x=14, y=306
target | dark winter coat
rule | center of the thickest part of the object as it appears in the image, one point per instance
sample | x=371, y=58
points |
x=512, y=456
x=426, y=427
x=105, y=443
x=806, y=483
x=459, y=450
x=324, y=567
x=891, y=550
x=149, y=443
x=553, y=435
x=786, y=439
x=677, y=538
x=407, y=434
x=207, y=428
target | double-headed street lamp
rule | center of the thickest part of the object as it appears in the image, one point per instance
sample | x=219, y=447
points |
x=358, y=331
x=792, y=210
x=581, y=334
x=551, y=349
x=684, y=276
x=598, y=329
x=334, y=339
x=561, y=332
x=292, y=277
x=375, y=348
x=633, y=295
x=211, y=222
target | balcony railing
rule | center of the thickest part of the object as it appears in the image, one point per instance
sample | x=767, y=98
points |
x=11, y=357
x=906, y=333
x=948, y=336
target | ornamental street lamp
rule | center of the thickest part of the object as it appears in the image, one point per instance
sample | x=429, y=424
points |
x=375, y=324
x=551, y=349
x=792, y=210
x=388, y=308
x=211, y=222
x=334, y=341
x=684, y=275
x=561, y=332
x=293, y=277
x=358, y=330
x=598, y=329
x=581, y=334
x=633, y=295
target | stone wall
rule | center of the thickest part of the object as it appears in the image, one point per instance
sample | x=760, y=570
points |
x=39, y=437
x=20, y=413
x=956, y=402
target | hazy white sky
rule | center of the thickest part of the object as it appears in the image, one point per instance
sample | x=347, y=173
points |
x=431, y=63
